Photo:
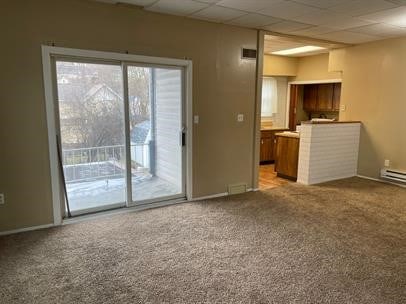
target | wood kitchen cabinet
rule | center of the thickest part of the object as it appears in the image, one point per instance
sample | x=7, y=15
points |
x=267, y=145
x=322, y=97
x=325, y=97
x=336, y=96
x=287, y=156
x=310, y=97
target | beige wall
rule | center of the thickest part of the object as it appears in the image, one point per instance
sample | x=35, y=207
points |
x=223, y=86
x=315, y=68
x=280, y=65
x=374, y=92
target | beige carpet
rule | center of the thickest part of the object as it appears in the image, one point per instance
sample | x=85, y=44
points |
x=341, y=242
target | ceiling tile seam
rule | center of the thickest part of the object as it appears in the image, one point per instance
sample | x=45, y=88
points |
x=212, y=5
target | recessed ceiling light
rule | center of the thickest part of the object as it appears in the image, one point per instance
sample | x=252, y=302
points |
x=299, y=50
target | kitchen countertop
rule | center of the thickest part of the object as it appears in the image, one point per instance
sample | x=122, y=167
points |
x=309, y=122
x=289, y=134
x=273, y=129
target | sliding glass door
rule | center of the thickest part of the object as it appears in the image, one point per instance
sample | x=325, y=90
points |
x=121, y=134
x=155, y=124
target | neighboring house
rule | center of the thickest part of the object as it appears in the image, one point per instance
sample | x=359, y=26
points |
x=140, y=143
x=69, y=94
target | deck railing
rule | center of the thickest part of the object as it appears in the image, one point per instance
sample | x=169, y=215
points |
x=92, y=163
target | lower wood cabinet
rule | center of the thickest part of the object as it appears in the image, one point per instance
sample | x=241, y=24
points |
x=287, y=156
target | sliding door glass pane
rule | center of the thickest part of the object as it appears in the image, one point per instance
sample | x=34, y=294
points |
x=155, y=103
x=90, y=99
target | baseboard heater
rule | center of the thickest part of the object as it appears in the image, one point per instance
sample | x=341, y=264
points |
x=395, y=175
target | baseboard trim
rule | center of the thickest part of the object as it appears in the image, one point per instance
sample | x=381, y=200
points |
x=83, y=218
x=201, y=198
x=381, y=181
x=14, y=231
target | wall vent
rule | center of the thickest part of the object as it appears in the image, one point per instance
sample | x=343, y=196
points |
x=395, y=175
x=248, y=53
x=237, y=188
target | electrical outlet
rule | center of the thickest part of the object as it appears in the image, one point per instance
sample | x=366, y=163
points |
x=387, y=163
x=2, y=199
x=343, y=108
x=240, y=117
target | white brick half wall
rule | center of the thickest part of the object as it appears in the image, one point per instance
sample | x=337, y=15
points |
x=328, y=152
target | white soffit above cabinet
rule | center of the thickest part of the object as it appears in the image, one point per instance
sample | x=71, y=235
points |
x=342, y=21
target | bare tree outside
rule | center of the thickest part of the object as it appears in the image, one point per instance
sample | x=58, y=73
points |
x=91, y=103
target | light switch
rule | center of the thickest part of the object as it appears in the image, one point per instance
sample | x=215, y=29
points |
x=196, y=119
x=343, y=108
x=240, y=117
x=2, y=199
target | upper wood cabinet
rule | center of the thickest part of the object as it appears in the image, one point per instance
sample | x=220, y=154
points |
x=310, y=97
x=321, y=97
x=336, y=96
x=325, y=97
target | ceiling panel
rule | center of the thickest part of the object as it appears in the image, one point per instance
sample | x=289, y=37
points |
x=177, y=7
x=380, y=29
x=287, y=10
x=248, y=5
x=274, y=43
x=313, y=31
x=254, y=20
x=286, y=27
x=347, y=37
x=395, y=16
x=345, y=23
x=218, y=13
x=351, y=21
x=322, y=3
x=362, y=7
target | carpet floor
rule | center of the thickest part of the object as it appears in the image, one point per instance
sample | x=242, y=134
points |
x=339, y=242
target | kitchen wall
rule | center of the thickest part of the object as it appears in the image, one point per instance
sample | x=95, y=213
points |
x=280, y=65
x=223, y=86
x=374, y=92
x=315, y=67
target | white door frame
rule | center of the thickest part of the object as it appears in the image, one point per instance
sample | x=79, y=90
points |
x=48, y=52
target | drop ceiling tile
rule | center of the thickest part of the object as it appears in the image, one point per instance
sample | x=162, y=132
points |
x=394, y=16
x=380, y=29
x=313, y=31
x=177, y=7
x=254, y=20
x=363, y=7
x=286, y=27
x=322, y=3
x=218, y=13
x=348, y=37
x=331, y=19
x=287, y=10
x=346, y=23
x=248, y=5
x=319, y=17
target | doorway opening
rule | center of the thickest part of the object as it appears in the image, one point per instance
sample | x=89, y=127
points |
x=289, y=94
